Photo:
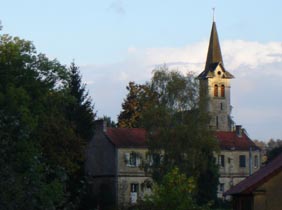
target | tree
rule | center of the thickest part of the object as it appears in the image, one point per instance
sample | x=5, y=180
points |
x=81, y=110
x=29, y=180
x=174, y=192
x=109, y=122
x=137, y=100
x=40, y=148
x=178, y=132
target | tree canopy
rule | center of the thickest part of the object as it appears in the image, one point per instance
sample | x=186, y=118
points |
x=175, y=191
x=138, y=99
x=178, y=134
x=41, y=147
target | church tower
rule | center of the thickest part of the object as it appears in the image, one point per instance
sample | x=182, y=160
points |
x=215, y=86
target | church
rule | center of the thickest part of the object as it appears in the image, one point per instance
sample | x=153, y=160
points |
x=239, y=156
x=114, y=155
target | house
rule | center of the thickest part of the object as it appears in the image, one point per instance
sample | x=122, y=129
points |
x=114, y=165
x=260, y=191
x=239, y=156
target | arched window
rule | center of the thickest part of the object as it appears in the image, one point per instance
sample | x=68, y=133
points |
x=222, y=90
x=216, y=90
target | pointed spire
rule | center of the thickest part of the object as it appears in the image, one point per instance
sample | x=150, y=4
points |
x=214, y=52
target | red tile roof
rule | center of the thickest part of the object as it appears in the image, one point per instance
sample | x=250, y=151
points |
x=136, y=137
x=258, y=178
x=229, y=140
x=127, y=137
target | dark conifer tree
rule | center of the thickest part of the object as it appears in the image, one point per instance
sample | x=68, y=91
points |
x=81, y=110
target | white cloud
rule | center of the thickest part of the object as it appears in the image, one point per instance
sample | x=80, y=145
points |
x=257, y=68
x=251, y=54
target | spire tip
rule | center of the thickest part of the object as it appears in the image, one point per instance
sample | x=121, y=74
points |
x=213, y=14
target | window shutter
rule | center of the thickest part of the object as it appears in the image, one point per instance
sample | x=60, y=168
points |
x=138, y=161
x=127, y=158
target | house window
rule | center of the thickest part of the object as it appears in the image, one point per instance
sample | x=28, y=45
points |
x=215, y=90
x=222, y=91
x=132, y=159
x=134, y=193
x=242, y=161
x=221, y=160
x=221, y=187
x=134, y=188
x=256, y=161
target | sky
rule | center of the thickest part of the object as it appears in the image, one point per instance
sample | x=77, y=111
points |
x=117, y=41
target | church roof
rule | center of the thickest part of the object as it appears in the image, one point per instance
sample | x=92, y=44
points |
x=214, y=56
x=211, y=72
x=214, y=51
x=127, y=137
x=229, y=140
x=258, y=178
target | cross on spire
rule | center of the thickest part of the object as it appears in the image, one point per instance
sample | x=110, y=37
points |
x=213, y=13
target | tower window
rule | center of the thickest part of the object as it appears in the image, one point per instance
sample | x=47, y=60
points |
x=216, y=91
x=216, y=119
x=222, y=90
x=221, y=106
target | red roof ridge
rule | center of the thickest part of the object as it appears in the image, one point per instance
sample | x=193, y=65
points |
x=229, y=140
x=127, y=137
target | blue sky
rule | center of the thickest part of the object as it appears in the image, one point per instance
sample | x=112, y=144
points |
x=117, y=41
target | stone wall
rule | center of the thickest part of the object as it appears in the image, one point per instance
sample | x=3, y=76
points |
x=133, y=182
x=231, y=173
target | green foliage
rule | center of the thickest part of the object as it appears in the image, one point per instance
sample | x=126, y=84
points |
x=178, y=132
x=137, y=101
x=80, y=108
x=109, y=122
x=42, y=151
x=174, y=192
x=273, y=153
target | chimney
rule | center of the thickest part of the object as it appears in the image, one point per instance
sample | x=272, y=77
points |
x=100, y=125
x=239, y=130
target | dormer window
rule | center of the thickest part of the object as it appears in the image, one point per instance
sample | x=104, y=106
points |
x=222, y=91
x=215, y=90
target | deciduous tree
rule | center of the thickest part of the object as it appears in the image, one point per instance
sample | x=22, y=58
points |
x=138, y=99
x=177, y=130
x=40, y=147
x=175, y=191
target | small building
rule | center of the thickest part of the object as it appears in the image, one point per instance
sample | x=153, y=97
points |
x=114, y=165
x=238, y=158
x=260, y=191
